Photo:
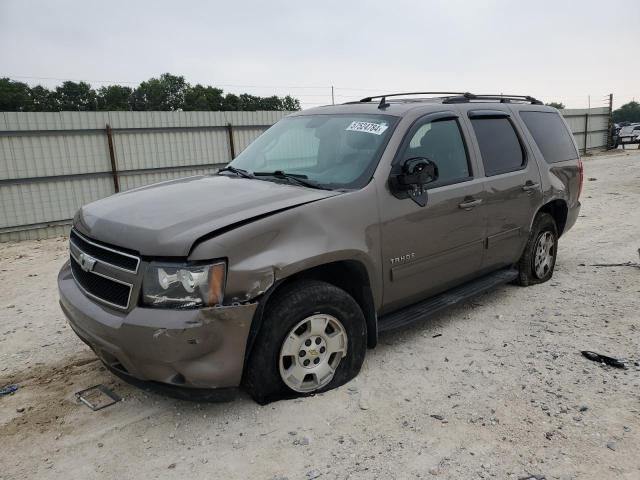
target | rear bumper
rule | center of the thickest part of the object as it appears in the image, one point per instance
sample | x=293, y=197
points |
x=572, y=216
x=191, y=348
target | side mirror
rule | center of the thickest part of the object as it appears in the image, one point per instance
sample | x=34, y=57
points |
x=416, y=173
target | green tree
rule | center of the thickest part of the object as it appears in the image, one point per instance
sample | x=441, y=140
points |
x=629, y=112
x=164, y=93
x=168, y=92
x=249, y=103
x=558, y=105
x=76, y=96
x=200, y=97
x=114, y=97
x=231, y=102
x=290, y=104
x=270, y=103
x=43, y=100
x=14, y=96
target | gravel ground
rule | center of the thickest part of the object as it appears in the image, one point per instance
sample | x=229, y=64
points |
x=493, y=388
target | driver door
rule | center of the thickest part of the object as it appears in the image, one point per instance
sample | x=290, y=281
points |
x=429, y=249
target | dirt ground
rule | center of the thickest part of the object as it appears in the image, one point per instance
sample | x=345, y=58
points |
x=502, y=393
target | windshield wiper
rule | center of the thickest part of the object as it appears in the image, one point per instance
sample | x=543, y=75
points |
x=295, y=177
x=237, y=171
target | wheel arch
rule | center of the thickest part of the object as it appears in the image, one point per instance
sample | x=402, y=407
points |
x=559, y=211
x=349, y=275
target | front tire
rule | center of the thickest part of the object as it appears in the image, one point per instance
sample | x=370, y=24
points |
x=313, y=339
x=539, y=258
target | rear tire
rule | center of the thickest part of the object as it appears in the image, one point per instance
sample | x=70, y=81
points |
x=539, y=258
x=313, y=339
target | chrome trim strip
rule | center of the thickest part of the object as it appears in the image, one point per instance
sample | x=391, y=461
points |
x=137, y=259
x=101, y=300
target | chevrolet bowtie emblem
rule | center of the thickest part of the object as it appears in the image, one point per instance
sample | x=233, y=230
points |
x=87, y=262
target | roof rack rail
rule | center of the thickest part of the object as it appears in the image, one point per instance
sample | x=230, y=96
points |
x=368, y=99
x=383, y=98
x=467, y=97
x=455, y=97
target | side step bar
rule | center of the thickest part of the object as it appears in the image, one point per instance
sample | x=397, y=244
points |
x=421, y=310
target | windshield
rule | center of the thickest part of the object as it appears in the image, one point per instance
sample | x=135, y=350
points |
x=330, y=151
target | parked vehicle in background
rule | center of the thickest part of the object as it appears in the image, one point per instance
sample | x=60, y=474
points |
x=613, y=133
x=629, y=135
x=339, y=222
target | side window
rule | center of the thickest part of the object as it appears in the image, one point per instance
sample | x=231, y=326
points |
x=441, y=142
x=499, y=145
x=551, y=135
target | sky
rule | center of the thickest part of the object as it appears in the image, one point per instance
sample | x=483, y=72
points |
x=575, y=52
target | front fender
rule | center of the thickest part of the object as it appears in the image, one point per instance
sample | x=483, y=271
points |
x=343, y=227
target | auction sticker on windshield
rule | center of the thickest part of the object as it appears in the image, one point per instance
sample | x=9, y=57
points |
x=368, y=127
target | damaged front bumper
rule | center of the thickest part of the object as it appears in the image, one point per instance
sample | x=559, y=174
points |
x=202, y=348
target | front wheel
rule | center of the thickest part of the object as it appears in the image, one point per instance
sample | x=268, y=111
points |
x=539, y=258
x=313, y=339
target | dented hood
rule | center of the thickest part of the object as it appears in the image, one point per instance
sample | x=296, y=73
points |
x=166, y=219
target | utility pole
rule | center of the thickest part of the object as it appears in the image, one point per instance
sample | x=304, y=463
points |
x=333, y=100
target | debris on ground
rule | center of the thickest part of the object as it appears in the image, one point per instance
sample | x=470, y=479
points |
x=625, y=264
x=596, y=357
x=98, y=397
x=8, y=390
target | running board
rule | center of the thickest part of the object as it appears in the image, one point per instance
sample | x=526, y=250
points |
x=421, y=310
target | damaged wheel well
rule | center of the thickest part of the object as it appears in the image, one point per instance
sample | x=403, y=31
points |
x=558, y=210
x=349, y=275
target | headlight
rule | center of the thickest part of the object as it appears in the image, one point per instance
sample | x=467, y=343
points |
x=167, y=285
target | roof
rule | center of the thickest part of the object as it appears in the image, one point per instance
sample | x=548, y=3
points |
x=391, y=104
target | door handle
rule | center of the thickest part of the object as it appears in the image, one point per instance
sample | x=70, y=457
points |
x=469, y=204
x=530, y=186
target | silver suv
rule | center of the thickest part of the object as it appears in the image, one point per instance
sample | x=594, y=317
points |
x=278, y=272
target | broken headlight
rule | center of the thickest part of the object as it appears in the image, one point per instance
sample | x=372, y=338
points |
x=167, y=285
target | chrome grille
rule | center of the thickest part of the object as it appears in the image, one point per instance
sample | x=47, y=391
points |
x=103, y=273
x=101, y=288
x=105, y=254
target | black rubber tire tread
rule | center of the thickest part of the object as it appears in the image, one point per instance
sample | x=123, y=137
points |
x=526, y=275
x=285, y=309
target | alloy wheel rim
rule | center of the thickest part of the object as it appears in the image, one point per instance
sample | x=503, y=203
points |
x=311, y=352
x=544, y=254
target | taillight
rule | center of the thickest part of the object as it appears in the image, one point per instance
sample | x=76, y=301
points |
x=581, y=176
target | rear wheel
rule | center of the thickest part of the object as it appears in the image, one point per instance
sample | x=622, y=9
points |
x=313, y=339
x=539, y=258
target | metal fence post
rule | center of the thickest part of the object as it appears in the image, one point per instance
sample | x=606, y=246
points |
x=112, y=157
x=610, y=124
x=232, y=147
x=586, y=131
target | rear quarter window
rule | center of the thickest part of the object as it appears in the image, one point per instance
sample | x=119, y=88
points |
x=551, y=135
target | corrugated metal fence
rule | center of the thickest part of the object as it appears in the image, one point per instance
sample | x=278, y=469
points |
x=52, y=163
x=590, y=127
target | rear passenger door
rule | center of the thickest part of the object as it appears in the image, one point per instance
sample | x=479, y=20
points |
x=512, y=185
